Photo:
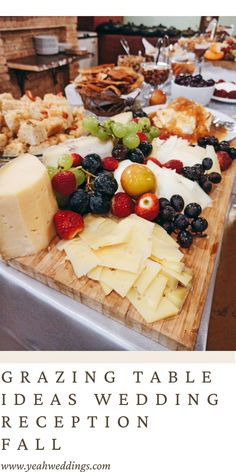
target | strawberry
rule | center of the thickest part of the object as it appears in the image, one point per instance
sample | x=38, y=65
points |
x=68, y=223
x=153, y=159
x=65, y=115
x=109, y=163
x=224, y=159
x=174, y=164
x=142, y=136
x=147, y=206
x=122, y=205
x=64, y=183
x=164, y=135
x=77, y=159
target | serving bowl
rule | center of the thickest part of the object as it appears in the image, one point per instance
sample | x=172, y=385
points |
x=201, y=95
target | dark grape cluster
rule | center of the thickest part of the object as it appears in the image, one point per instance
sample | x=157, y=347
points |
x=197, y=80
x=186, y=225
x=198, y=173
x=218, y=145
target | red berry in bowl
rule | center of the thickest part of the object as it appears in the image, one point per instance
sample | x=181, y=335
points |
x=122, y=205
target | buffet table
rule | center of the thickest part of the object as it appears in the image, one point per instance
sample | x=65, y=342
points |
x=36, y=317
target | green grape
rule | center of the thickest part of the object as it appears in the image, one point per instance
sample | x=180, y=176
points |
x=102, y=134
x=140, y=127
x=131, y=128
x=119, y=130
x=131, y=141
x=62, y=201
x=107, y=125
x=145, y=122
x=79, y=175
x=149, y=136
x=52, y=171
x=90, y=123
x=65, y=162
x=154, y=132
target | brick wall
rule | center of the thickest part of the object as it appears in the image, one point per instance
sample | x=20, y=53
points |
x=16, y=41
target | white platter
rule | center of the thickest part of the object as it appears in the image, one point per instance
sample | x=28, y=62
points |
x=231, y=134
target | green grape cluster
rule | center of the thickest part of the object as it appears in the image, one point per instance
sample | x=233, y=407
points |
x=127, y=133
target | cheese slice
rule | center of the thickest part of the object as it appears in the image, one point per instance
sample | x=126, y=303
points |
x=161, y=234
x=177, y=266
x=177, y=296
x=162, y=250
x=112, y=234
x=165, y=308
x=96, y=228
x=121, y=281
x=81, y=257
x=106, y=288
x=27, y=207
x=95, y=274
x=150, y=270
x=155, y=290
x=183, y=277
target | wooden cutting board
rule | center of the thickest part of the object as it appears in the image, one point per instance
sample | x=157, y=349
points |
x=177, y=333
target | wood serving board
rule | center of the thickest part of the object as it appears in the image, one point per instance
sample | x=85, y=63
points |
x=177, y=333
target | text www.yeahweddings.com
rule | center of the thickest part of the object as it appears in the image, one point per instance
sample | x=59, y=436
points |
x=43, y=405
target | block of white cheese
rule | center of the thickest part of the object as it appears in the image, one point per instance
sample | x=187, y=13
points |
x=27, y=206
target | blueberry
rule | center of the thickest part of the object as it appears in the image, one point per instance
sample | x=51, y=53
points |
x=192, y=210
x=163, y=202
x=206, y=185
x=207, y=163
x=224, y=146
x=92, y=163
x=99, y=204
x=158, y=220
x=168, y=226
x=190, y=173
x=184, y=239
x=198, y=77
x=177, y=202
x=181, y=222
x=105, y=184
x=199, y=169
x=201, y=142
x=168, y=213
x=79, y=202
x=210, y=83
x=119, y=152
x=146, y=148
x=232, y=153
x=199, y=225
x=214, y=177
x=212, y=141
x=136, y=155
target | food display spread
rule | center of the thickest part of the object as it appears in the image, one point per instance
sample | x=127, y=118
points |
x=123, y=214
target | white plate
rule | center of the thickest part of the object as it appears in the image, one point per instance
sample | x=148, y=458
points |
x=228, y=87
x=217, y=114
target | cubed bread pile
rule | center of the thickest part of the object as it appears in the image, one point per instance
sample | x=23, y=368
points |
x=33, y=123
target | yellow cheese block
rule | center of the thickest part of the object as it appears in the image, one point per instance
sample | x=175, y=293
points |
x=165, y=308
x=185, y=277
x=161, y=250
x=150, y=270
x=154, y=292
x=27, y=207
x=177, y=296
x=121, y=281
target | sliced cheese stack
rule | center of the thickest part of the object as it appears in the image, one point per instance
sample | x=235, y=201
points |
x=27, y=207
x=135, y=258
